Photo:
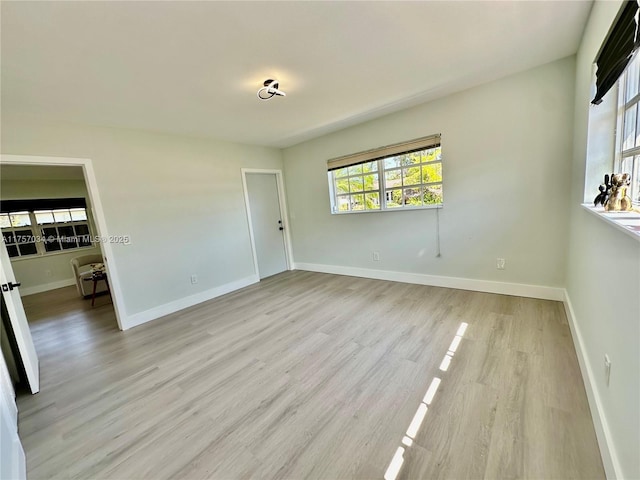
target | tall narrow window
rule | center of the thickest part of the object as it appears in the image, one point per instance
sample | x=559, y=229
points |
x=628, y=131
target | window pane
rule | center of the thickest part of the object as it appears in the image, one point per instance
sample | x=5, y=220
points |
x=355, y=184
x=371, y=182
x=24, y=236
x=44, y=216
x=27, y=249
x=432, y=195
x=370, y=167
x=343, y=203
x=411, y=176
x=629, y=138
x=78, y=214
x=432, y=172
x=342, y=172
x=62, y=215
x=626, y=165
x=357, y=202
x=8, y=237
x=82, y=234
x=392, y=179
x=432, y=154
x=392, y=162
x=372, y=201
x=413, y=158
x=342, y=185
x=13, y=250
x=20, y=219
x=355, y=169
x=632, y=80
x=4, y=221
x=635, y=181
x=412, y=197
x=67, y=237
x=53, y=246
x=51, y=243
x=394, y=198
x=637, y=130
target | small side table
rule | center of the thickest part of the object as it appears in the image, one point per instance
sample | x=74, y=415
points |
x=96, y=276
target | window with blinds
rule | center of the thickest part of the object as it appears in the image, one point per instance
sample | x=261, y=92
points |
x=402, y=176
x=41, y=227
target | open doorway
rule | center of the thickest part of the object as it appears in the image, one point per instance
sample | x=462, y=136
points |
x=55, y=256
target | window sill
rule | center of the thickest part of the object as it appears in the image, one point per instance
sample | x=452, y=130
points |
x=403, y=209
x=628, y=222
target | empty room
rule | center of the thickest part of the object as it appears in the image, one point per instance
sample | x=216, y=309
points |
x=327, y=240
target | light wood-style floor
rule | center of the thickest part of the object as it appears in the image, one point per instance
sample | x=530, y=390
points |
x=309, y=375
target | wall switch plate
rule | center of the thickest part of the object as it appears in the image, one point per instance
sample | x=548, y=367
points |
x=607, y=369
x=375, y=256
x=500, y=263
x=194, y=279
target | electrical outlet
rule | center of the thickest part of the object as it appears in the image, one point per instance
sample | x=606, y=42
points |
x=375, y=256
x=607, y=369
x=500, y=263
x=194, y=279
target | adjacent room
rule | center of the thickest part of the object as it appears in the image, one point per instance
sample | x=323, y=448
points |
x=321, y=240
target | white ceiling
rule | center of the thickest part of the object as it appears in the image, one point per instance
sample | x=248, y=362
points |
x=194, y=67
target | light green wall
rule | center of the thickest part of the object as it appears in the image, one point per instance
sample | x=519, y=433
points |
x=603, y=279
x=506, y=147
x=179, y=199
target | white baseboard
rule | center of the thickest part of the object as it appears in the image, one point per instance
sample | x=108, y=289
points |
x=504, y=288
x=161, y=310
x=45, y=287
x=610, y=460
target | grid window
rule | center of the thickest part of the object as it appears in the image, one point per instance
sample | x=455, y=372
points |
x=397, y=182
x=628, y=138
x=41, y=232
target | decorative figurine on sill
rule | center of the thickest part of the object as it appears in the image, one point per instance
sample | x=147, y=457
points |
x=603, y=196
x=618, y=199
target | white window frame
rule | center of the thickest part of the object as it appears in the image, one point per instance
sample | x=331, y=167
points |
x=382, y=189
x=625, y=157
x=39, y=237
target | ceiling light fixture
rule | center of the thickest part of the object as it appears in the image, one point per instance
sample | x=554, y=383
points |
x=270, y=90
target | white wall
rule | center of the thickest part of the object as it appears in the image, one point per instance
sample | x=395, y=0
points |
x=178, y=198
x=31, y=272
x=506, y=148
x=603, y=284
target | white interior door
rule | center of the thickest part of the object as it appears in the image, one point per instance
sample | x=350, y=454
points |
x=12, y=460
x=18, y=320
x=267, y=223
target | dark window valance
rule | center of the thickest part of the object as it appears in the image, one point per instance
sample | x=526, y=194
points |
x=617, y=50
x=7, y=206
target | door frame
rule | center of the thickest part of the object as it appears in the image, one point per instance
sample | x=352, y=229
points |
x=98, y=215
x=282, y=200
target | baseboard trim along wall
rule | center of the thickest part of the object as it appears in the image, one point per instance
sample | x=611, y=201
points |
x=603, y=433
x=168, y=308
x=45, y=287
x=488, y=286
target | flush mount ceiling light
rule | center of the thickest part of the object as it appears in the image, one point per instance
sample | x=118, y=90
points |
x=270, y=90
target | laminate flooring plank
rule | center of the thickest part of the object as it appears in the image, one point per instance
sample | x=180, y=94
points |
x=308, y=375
